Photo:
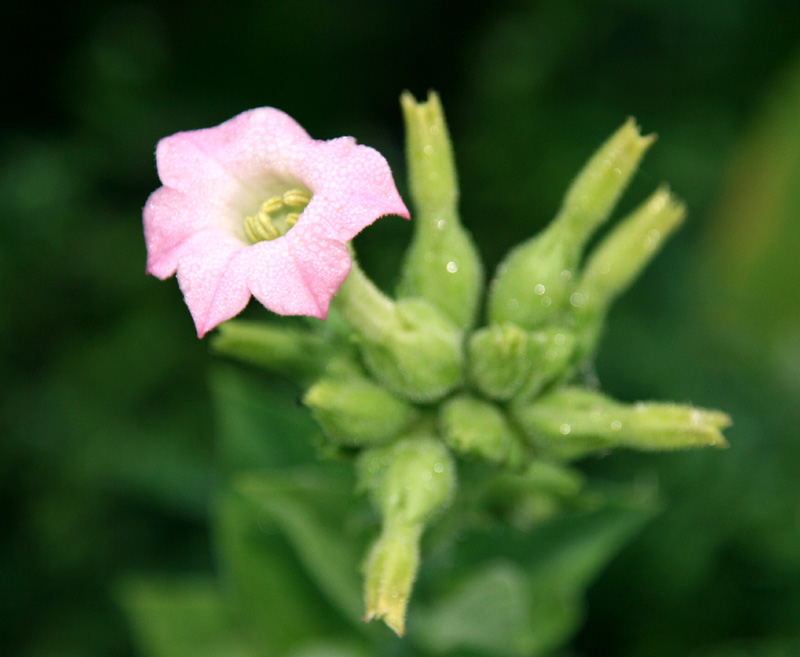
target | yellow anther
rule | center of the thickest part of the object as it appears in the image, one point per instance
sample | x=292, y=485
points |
x=271, y=205
x=291, y=219
x=260, y=228
x=296, y=198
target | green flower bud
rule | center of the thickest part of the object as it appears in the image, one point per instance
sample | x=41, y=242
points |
x=409, y=481
x=389, y=573
x=442, y=263
x=550, y=353
x=475, y=427
x=572, y=422
x=357, y=411
x=408, y=345
x=420, y=357
x=534, y=283
x=619, y=258
x=498, y=360
x=293, y=352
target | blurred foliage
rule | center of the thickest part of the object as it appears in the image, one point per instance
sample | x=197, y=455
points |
x=106, y=446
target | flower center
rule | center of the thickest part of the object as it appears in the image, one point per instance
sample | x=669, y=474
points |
x=276, y=216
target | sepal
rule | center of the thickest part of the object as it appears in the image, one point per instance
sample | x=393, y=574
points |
x=535, y=281
x=442, y=264
x=572, y=422
x=355, y=411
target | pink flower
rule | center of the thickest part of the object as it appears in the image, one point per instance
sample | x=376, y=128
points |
x=256, y=207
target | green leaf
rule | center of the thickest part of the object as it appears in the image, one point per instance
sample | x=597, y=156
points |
x=268, y=588
x=512, y=593
x=176, y=618
x=313, y=508
x=259, y=424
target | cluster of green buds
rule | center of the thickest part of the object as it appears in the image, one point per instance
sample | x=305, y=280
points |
x=409, y=387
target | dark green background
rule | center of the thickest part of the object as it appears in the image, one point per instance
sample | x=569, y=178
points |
x=105, y=419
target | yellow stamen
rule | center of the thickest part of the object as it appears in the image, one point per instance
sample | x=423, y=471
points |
x=291, y=219
x=271, y=205
x=296, y=198
x=260, y=228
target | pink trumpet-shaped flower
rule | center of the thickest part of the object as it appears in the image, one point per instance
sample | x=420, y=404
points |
x=256, y=207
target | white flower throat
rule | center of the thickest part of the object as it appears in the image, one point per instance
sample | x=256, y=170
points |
x=276, y=216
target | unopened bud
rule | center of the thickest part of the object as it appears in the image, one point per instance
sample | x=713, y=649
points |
x=498, y=360
x=535, y=281
x=442, y=263
x=419, y=357
x=550, y=352
x=357, y=411
x=476, y=428
x=572, y=422
x=619, y=258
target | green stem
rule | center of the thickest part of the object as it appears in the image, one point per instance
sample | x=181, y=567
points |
x=368, y=310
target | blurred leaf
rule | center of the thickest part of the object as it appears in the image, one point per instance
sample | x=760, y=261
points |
x=754, y=241
x=312, y=508
x=269, y=591
x=180, y=619
x=259, y=424
x=529, y=600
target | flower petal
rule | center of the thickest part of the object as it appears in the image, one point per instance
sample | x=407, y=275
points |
x=293, y=276
x=205, y=263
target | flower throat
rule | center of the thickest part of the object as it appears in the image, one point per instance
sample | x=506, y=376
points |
x=276, y=216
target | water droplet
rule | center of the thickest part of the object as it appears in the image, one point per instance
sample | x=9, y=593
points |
x=539, y=289
x=428, y=150
x=452, y=267
x=546, y=301
x=559, y=338
x=441, y=224
x=654, y=234
x=438, y=468
x=513, y=304
x=616, y=425
x=566, y=274
x=565, y=429
x=434, y=130
x=576, y=299
x=617, y=171
x=426, y=476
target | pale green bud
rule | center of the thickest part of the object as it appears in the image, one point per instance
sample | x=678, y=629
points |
x=410, y=480
x=357, y=411
x=550, y=353
x=476, y=428
x=535, y=281
x=572, y=422
x=442, y=263
x=389, y=573
x=293, y=352
x=498, y=360
x=408, y=345
x=420, y=355
x=620, y=257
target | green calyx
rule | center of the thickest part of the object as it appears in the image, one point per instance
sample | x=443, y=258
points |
x=442, y=264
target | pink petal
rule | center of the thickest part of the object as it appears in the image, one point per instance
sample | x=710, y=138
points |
x=204, y=264
x=296, y=276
